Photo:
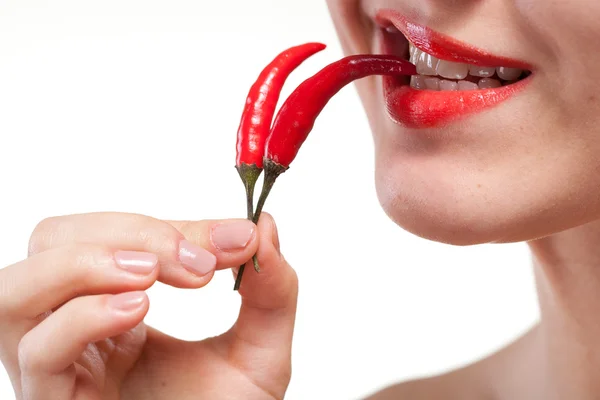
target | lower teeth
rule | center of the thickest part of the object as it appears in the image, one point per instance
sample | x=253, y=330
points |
x=421, y=82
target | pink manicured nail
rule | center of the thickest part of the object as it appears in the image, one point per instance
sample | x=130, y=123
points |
x=136, y=262
x=127, y=301
x=233, y=235
x=196, y=259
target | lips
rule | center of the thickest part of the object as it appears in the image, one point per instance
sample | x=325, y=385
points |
x=440, y=102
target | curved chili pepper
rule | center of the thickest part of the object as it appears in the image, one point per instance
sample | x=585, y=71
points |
x=298, y=114
x=261, y=102
x=257, y=117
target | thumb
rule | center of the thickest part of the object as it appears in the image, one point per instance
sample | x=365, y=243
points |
x=269, y=298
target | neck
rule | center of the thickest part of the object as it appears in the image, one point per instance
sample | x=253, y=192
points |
x=567, y=267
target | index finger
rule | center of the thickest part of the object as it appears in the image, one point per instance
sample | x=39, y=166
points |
x=188, y=251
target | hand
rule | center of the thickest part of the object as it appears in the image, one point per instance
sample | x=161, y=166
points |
x=72, y=312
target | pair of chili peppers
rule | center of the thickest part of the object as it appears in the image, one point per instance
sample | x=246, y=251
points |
x=273, y=148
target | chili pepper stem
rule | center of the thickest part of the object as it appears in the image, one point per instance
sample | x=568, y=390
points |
x=249, y=174
x=238, y=280
x=272, y=172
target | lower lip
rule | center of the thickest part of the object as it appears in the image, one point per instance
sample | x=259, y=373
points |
x=428, y=109
x=431, y=109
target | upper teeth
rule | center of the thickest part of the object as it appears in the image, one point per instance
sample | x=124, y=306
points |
x=431, y=66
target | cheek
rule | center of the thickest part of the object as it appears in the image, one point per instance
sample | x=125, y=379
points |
x=353, y=28
x=569, y=33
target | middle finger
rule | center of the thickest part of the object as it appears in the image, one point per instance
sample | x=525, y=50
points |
x=56, y=276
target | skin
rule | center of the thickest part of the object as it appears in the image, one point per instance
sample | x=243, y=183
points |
x=525, y=170
x=500, y=176
x=71, y=275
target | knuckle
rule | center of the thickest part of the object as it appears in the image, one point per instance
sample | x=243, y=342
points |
x=159, y=237
x=85, y=259
x=286, y=374
x=195, y=231
x=27, y=355
x=6, y=299
x=42, y=234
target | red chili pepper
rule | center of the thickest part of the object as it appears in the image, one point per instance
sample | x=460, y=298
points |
x=298, y=114
x=257, y=117
x=261, y=102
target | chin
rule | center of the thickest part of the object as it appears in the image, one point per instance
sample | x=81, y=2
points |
x=434, y=212
x=429, y=220
x=447, y=202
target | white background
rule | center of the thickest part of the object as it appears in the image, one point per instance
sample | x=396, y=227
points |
x=131, y=105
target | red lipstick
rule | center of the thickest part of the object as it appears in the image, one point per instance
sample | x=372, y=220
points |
x=427, y=108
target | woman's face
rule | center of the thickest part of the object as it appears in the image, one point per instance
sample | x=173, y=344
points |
x=483, y=163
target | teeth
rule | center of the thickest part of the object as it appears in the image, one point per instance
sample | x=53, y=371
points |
x=452, y=70
x=416, y=53
x=448, y=85
x=508, y=74
x=487, y=83
x=455, y=73
x=432, y=83
x=484, y=72
x=466, y=85
x=427, y=64
x=411, y=51
x=417, y=82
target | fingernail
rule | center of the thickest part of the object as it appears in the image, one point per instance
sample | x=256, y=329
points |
x=196, y=259
x=232, y=235
x=136, y=262
x=127, y=301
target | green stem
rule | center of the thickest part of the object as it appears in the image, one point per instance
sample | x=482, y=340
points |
x=270, y=178
x=250, y=207
x=272, y=172
x=250, y=199
x=249, y=175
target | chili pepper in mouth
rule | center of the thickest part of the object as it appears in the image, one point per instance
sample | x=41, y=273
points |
x=256, y=120
x=298, y=114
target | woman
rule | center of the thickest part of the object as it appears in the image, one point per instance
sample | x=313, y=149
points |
x=519, y=163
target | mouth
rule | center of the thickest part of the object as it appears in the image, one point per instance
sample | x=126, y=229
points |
x=453, y=80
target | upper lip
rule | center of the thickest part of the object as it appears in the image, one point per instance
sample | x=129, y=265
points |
x=443, y=46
